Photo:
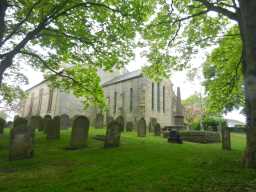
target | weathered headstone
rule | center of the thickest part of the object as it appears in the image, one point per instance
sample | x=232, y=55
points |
x=129, y=126
x=113, y=134
x=120, y=120
x=142, y=128
x=152, y=124
x=53, y=130
x=46, y=122
x=79, y=134
x=174, y=137
x=21, y=142
x=157, y=129
x=36, y=122
x=99, y=121
x=2, y=125
x=225, y=138
x=109, y=119
x=64, y=121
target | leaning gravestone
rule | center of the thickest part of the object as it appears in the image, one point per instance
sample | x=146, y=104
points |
x=2, y=125
x=120, y=120
x=157, y=129
x=113, y=134
x=99, y=120
x=64, y=121
x=225, y=137
x=53, y=130
x=21, y=142
x=141, y=128
x=129, y=126
x=79, y=134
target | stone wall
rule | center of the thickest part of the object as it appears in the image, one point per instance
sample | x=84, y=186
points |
x=200, y=136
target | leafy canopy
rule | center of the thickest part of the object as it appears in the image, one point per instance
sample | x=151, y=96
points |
x=223, y=74
x=68, y=38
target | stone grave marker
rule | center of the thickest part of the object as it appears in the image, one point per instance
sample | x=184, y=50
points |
x=141, y=128
x=113, y=135
x=79, y=134
x=21, y=141
x=129, y=126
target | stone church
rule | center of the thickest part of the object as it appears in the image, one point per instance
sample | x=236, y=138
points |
x=129, y=94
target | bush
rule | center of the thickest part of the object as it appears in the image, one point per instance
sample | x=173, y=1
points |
x=196, y=125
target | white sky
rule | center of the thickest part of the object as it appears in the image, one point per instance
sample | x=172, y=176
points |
x=180, y=79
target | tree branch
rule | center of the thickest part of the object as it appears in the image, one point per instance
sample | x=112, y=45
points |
x=18, y=25
x=3, y=7
x=210, y=6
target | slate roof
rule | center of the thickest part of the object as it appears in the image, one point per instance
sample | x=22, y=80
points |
x=124, y=77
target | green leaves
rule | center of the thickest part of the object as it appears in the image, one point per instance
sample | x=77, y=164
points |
x=223, y=74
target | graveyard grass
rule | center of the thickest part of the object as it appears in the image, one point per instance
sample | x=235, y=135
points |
x=140, y=164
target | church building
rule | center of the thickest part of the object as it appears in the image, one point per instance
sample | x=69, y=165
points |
x=129, y=94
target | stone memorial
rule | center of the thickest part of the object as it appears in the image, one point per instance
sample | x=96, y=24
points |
x=174, y=137
x=225, y=138
x=152, y=124
x=46, y=122
x=21, y=141
x=113, y=134
x=120, y=120
x=64, y=121
x=53, y=130
x=36, y=122
x=141, y=128
x=79, y=134
x=99, y=121
x=157, y=129
x=129, y=126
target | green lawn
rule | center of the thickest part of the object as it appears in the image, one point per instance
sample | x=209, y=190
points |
x=141, y=164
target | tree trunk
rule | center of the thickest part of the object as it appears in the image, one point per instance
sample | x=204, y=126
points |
x=248, y=33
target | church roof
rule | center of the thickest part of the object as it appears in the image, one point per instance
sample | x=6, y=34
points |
x=123, y=77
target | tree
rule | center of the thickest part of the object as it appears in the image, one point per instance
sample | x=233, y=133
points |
x=51, y=35
x=194, y=106
x=181, y=27
x=223, y=67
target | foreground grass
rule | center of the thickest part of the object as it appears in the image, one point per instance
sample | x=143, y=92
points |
x=141, y=164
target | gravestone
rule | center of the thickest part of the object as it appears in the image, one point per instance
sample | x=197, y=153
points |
x=21, y=141
x=64, y=121
x=141, y=128
x=79, y=134
x=174, y=137
x=152, y=124
x=99, y=121
x=129, y=126
x=225, y=138
x=9, y=124
x=113, y=134
x=109, y=119
x=157, y=129
x=120, y=120
x=46, y=122
x=2, y=125
x=53, y=130
x=36, y=122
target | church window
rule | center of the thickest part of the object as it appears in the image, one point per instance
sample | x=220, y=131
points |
x=50, y=101
x=163, y=98
x=131, y=99
x=115, y=101
x=40, y=101
x=31, y=104
x=158, y=97
x=152, y=97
